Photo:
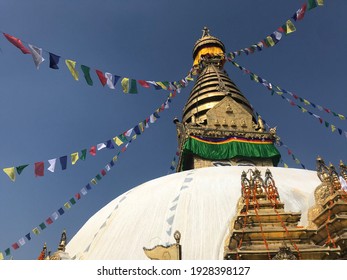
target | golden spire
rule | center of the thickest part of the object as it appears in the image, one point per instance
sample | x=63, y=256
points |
x=62, y=243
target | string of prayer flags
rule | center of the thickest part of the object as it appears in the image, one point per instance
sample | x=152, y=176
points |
x=17, y=43
x=272, y=39
x=280, y=91
x=119, y=140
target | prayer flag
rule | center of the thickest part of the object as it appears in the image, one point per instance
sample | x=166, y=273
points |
x=109, y=80
x=74, y=158
x=28, y=236
x=72, y=201
x=92, y=150
x=78, y=196
x=299, y=15
x=10, y=173
x=137, y=130
x=52, y=164
x=117, y=141
x=7, y=252
x=143, y=83
x=67, y=205
x=49, y=221
x=55, y=215
x=285, y=165
x=17, y=42
x=37, y=55
x=86, y=73
x=83, y=154
x=36, y=231
x=98, y=177
x=39, y=168
x=270, y=42
x=320, y=2
x=88, y=187
x=83, y=191
x=15, y=246
x=42, y=226
x=21, y=241
x=108, y=168
x=63, y=162
x=289, y=27
x=53, y=61
x=109, y=144
x=100, y=146
x=21, y=168
x=103, y=172
x=129, y=85
x=61, y=211
x=1, y=256
x=72, y=67
x=102, y=77
x=333, y=128
x=163, y=85
x=312, y=4
x=93, y=181
x=128, y=132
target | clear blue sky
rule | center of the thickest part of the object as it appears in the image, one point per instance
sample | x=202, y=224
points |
x=46, y=114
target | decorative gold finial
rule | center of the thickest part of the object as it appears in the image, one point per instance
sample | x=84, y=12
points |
x=205, y=32
x=62, y=243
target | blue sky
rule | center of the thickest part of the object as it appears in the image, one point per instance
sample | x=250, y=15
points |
x=46, y=114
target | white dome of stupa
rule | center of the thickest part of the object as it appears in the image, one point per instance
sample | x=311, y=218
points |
x=199, y=203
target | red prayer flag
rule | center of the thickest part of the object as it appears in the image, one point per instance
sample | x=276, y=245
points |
x=78, y=196
x=17, y=42
x=15, y=246
x=143, y=83
x=103, y=172
x=92, y=151
x=39, y=168
x=102, y=77
x=49, y=221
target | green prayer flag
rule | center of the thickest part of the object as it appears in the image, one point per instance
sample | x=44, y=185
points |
x=98, y=177
x=311, y=4
x=42, y=226
x=73, y=201
x=129, y=85
x=122, y=138
x=21, y=168
x=86, y=72
x=8, y=251
x=326, y=124
x=83, y=154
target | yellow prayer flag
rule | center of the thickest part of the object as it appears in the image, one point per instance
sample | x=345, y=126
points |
x=161, y=84
x=93, y=181
x=333, y=128
x=285, y=165
x=125, y=84
x=71, y=65
x=290, y=28
x=307, y=102
x=342, y=117
x=270, y=41
x=115, y=158
x=303, y=110
x=36, y=231
x=279, y=92
x=74, y=158
x=117, y=141
x=10, y=173
x=297, y=161
x=320, y=2
x=134, y=137
x=67, y=205
x=1, y=256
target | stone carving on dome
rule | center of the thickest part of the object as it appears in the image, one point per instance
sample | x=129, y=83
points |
x=284, y=253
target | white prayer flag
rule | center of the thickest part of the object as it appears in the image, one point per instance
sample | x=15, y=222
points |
x=52, y=164
x=109, y=78
x=37, y=55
